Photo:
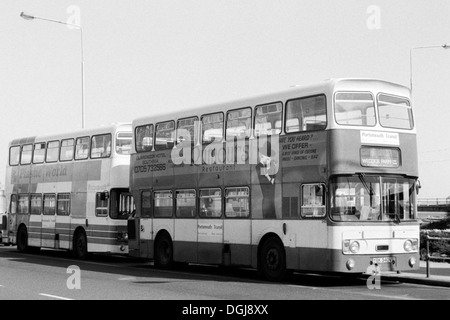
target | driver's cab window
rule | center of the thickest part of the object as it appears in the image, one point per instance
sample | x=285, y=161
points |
x=313, y=200
x=122, y=204
x=13, y=204
x=101, y=204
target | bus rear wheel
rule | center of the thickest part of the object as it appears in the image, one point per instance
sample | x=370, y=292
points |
x=163, y=252
x=80, y=245
x=272, y=260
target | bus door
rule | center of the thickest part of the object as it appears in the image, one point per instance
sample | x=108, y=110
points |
x=237, y=226
x=35, y=227
x=185, y=237
x=49, y=221
x=12, y=219
x=62, y=221
x=210, y=226
x=143, y=227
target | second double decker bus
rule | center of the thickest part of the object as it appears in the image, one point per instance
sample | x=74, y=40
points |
x=317, y=178
x=70, y=191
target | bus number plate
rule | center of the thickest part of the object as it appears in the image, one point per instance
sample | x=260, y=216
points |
x=383, y=260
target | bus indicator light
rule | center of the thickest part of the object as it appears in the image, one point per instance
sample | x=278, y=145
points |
x=350, y=264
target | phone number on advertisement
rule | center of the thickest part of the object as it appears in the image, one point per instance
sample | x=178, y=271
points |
x=149, y=168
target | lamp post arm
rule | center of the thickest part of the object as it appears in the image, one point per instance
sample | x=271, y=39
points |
x=445, y=46
x=30, y=17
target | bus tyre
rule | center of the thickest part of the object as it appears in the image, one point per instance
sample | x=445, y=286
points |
x=80, y=245
x=22, y=239
x=272, y=260
x=164, y=252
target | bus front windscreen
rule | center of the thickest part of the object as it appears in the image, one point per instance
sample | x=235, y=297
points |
x=372, y=198
x=123, y=142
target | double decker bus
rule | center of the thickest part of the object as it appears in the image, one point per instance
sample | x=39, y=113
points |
x=70, y=191
x=316, y=178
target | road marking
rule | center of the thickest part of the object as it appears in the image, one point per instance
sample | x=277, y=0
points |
x=52, y=296
x=358, y=293
x=127, y=279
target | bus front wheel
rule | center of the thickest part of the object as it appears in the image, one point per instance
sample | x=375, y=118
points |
x=272, y=260
x=163, y=252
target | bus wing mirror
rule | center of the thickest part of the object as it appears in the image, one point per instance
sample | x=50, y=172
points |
x=418, y=186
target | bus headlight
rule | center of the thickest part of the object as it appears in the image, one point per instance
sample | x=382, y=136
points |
x=411, y=245
x=412, y=262
x=354, y=247
x=351, y=246
x=122, y=236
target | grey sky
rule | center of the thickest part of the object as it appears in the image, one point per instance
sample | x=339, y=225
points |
x=143, y=56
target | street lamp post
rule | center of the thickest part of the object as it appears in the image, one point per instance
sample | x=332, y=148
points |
x=29, y=17
x=445, y=46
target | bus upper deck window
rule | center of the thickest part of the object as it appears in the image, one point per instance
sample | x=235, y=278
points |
x=164, y=136
x=144, y=138
x=14, y=155
x=187, y=130
x=52, y=151
x=354, y=109
x=239, y=123
x=27, y=152
x=66, y=153
x=268, y=119
x=306, y=114
x=395, y=112
x=212, y=128
x=82, y=148
x=101, y=146
x=39, y=152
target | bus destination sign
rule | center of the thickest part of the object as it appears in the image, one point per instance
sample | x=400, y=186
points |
x=380, y=157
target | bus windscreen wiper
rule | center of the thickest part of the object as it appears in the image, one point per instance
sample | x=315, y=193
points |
x=368, y=187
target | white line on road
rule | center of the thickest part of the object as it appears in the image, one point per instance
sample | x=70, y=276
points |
x=52, y=296
x=127, y=279
x=405, y=297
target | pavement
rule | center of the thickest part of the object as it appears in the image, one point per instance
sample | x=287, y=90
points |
x=439, y=275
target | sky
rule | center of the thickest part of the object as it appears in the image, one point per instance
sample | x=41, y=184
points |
x=144, y=56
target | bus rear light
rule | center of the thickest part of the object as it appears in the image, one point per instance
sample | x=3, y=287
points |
x=350, y=264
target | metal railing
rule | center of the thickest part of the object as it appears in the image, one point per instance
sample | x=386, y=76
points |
x=428, y=256
x=434, y=202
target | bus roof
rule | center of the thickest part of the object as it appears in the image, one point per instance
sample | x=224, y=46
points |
x=327, y=86
x=73, y=134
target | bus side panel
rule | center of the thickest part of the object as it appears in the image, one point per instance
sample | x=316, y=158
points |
x=185, y=244
x=162, y=168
